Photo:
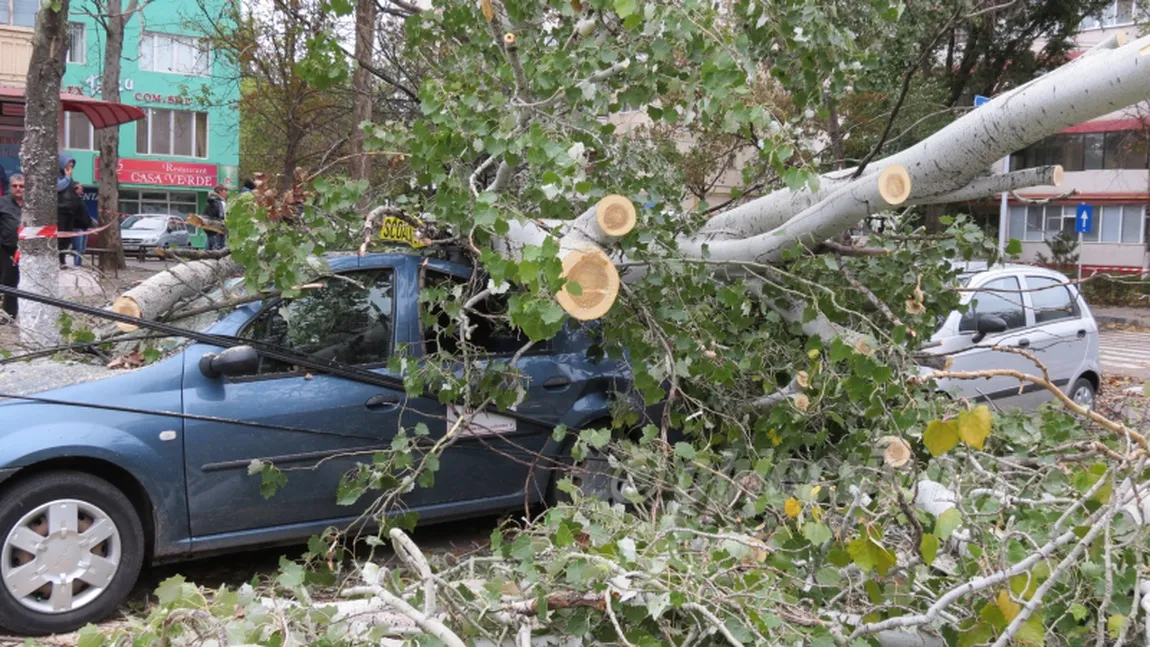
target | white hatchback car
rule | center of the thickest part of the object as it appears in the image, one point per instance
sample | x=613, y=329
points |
x=1020, y=307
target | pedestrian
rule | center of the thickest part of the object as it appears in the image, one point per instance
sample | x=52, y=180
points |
x=3, y=181
x=71, y=214
x=249, y=185
x=80, y=243
x=215, y=214
x=11, y=206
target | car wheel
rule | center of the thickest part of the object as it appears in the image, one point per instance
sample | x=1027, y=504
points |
x=72, y=547
x=1083, y=393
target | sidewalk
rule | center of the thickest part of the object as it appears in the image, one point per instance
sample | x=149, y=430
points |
x=1122, y=315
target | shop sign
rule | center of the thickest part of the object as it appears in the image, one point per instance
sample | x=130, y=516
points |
x=93, y=86
x=153, y=97
x=132, y=171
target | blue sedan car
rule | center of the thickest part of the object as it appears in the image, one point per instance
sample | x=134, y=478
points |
x=88, y=494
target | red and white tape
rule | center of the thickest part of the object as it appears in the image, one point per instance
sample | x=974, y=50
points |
x=51, y=231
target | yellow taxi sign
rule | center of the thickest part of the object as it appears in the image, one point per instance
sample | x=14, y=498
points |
x=398, y=230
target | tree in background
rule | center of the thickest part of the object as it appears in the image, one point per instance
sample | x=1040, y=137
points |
x=39, y=264
x=113, y=17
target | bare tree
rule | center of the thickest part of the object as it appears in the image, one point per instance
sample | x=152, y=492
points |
x=361, y=87
x=38, y=157
x=113, y=17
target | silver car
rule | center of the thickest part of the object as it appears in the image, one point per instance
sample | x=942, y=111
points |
x=145, y=232
x=1027, y=308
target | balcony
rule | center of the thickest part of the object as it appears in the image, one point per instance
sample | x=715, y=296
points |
x=15, y=52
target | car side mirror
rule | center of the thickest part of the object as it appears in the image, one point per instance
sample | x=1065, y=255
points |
x=239, y=360
x=988, y=325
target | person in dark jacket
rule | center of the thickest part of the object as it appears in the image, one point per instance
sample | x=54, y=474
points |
x=215, y=213
x=71, y=213
x=11, y=206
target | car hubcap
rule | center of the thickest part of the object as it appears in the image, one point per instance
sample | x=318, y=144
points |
x=60, y=556
x=596, y=479
x=1084, y=396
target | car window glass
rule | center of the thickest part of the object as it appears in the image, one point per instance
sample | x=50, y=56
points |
x=348, y=321
x=1052, y=303
x=996, y=298
x=491, y=331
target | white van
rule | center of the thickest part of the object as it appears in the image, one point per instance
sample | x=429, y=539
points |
x=1023, y=307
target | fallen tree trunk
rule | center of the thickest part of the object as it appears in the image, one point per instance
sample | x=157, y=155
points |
x=164, y=291
x=193, y=254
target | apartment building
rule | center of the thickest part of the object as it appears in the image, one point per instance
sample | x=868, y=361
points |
x=1106, y=162
x=183, y=146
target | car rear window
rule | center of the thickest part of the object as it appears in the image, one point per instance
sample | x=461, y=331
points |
x=1051, y=299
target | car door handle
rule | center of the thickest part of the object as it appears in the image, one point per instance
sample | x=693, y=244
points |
x=383, y=401
x=1023, y=343
x=1081, y=334
x=557, y=383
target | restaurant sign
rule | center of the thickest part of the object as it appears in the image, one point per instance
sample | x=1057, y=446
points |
x=131, y=171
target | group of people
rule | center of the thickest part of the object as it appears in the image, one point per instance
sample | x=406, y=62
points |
x=71, y=216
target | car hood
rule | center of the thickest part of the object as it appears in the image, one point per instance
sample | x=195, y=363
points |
x=38, y=376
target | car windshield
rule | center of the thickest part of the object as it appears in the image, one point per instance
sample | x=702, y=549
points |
x=145, y=224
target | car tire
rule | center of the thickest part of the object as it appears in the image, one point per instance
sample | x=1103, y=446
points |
x=76, y=523
x=1083, y=393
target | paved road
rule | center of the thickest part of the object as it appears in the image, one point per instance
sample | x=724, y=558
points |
x=1125, y=352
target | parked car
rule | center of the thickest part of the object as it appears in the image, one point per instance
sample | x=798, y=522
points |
x=146, y=232
x=1027, y=308
x=87, y=494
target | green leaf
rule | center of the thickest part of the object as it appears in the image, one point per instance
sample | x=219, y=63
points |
x=573, y=288
x=940, y=437
x=868, y=554
x=1079, y=612
x=685, y=450
x=947, y=523
x=563, y=536
x=171, y=590
x=625, y=7
x=90, y=636
x=928, y=547
x=1114, y=625
x=1014, y=247
x=1146, y=389
x=1032, y=632
x=974, y=426
x=291, y=574
x=817, y=533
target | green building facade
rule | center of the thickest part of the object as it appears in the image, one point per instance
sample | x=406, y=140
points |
x=189, y=142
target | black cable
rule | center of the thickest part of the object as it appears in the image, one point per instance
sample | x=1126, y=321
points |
x=78, y=345
x=271, y=351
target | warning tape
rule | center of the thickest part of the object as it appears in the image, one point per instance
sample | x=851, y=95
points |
x=51, y=231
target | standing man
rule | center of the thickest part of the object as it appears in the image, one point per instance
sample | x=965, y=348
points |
x=215, y=214
x=80, y=243
x=71, y=213
x=10, y=207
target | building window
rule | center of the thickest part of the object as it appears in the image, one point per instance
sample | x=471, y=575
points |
x=78, y=43
x=1123, y=149
x=19, y=13
x=79, y=135
x=173, y=132
x=175, y=203
x=175, y=54
x=1112, y=223
x=1114, y=14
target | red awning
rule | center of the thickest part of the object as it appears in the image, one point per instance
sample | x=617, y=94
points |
x=101, y=113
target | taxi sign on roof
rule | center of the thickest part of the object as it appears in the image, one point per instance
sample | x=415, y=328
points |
x=398, y=230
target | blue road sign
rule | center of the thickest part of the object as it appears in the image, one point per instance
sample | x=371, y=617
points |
x=1084, y=219
x=979, y=100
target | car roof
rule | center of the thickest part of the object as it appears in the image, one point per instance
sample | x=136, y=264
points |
x=981, y=268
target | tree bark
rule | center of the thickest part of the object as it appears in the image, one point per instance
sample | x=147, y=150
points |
x=39, y=265
x=162, y=292
x=109, y=138
x=361, y=87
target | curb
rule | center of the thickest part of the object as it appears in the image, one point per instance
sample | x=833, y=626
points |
x=1143, y=323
